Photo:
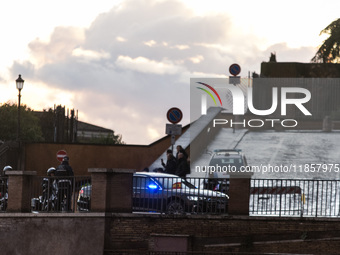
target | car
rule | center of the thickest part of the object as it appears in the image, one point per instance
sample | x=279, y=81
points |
x=165, y=193
x=84, y=198
x=224, y=162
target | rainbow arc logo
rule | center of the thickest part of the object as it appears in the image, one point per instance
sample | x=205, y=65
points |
x=209, y=93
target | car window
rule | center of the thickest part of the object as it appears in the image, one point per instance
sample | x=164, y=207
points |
x=172, y=183
x=237, y=162
x=230, y=160
x=140, y=182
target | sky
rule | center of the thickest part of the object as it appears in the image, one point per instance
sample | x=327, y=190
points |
x=122, y=64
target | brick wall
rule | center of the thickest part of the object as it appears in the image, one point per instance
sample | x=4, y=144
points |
x=93, y=233
x=41, y=156
x=227, y=234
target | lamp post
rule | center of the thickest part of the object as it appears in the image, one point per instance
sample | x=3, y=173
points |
x=20, y=85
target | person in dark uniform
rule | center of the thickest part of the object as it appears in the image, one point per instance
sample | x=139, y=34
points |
x=63, y=171
x=4, y=188
x=49, y=190
x=183, y=167
x=171, y=163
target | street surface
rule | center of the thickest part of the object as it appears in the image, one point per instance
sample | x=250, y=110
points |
x=309, y=160
x=284, y=155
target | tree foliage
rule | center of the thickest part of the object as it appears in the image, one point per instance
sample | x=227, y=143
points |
x=329, y=51
x=104, y=139
x=30, y=129
x=41, y=126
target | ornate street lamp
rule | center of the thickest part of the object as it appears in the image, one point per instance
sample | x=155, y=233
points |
x=20, y=85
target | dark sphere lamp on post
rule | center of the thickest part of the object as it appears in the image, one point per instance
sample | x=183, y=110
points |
x=20, y=85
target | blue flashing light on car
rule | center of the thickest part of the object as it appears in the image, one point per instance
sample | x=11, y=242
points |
x=152, y=186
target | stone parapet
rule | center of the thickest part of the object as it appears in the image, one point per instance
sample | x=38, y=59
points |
x=111, y=189
x=19, y=190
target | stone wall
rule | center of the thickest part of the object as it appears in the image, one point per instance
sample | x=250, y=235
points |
x=41, y=234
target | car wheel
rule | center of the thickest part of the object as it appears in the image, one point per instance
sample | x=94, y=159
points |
x=175, y=207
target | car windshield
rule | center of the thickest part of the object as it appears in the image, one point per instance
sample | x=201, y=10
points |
x=171, y=183
x=230, y=161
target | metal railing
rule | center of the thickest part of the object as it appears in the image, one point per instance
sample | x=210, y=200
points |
x=56, y=194
x=307, y=198
x=169, y=196
x=268, y=197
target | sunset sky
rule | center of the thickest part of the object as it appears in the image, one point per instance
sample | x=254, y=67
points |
x=123, y=64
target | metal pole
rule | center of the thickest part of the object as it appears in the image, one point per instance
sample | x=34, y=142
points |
x=18, y=132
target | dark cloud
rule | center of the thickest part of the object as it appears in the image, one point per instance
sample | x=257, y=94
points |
x=27, y=69
x=135, y=61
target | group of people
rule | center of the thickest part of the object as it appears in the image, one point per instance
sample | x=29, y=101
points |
x=56, y=187
x=177, y=165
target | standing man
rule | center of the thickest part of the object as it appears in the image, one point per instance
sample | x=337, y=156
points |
x=63, y=171
x=183, y=167
x=171, y=163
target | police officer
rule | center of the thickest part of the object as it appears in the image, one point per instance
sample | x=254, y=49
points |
x=49, y=187
x=4, y=189
x=63, y=171
x=6, y=168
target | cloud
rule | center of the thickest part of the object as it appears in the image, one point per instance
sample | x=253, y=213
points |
x=59, y=48
x=145, y=65
x=287, y=54
x=90, y=54
x=134, y=63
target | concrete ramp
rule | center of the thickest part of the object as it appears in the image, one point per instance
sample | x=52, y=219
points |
x=196, y=134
